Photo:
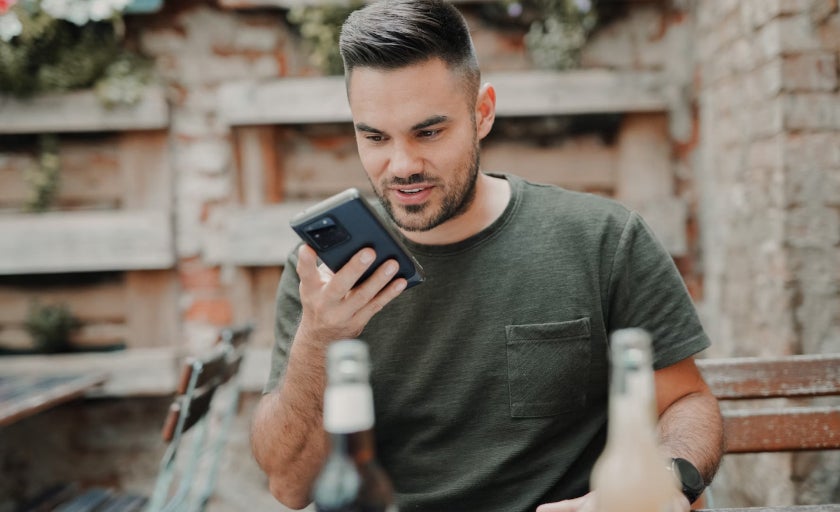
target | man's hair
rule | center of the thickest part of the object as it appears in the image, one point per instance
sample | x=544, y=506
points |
x=392, y=34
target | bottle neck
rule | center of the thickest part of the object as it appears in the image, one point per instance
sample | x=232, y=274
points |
x=359, y=446
x=632, y=402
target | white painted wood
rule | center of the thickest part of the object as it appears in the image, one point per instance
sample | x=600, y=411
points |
x=532, y=93
x=85, y=241
x=82, y=111
x=252, y=236
x=134, y=372
x=255, y=368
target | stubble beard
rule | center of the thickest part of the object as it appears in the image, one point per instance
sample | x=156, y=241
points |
x=454, y=203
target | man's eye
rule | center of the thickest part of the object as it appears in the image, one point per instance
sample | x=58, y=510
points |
x=375, y=138
x=426, y=134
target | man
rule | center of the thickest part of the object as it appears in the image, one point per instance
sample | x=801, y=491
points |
x=490, y=379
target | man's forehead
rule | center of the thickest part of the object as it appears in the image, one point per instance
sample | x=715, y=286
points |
x=404, y=99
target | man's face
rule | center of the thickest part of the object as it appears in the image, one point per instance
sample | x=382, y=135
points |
x=416, y=134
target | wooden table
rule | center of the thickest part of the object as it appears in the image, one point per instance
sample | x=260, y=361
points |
x=22, y=396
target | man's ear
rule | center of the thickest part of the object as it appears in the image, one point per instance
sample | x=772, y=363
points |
x=485, y=110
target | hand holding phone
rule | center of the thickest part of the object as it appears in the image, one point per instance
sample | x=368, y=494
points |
x=342, y=225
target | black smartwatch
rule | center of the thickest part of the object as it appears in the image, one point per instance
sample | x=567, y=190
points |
x=690, y=478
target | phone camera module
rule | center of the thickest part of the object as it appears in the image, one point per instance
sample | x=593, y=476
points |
x=325, y=233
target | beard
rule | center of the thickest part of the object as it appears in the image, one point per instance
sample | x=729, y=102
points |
x=458, y=196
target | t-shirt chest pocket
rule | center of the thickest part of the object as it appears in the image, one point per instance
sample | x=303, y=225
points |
x=548, y=367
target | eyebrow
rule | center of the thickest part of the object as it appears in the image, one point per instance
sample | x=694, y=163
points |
x=363, y=127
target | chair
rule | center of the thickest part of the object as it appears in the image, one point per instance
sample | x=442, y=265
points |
x=202, y=379
x=195, y=429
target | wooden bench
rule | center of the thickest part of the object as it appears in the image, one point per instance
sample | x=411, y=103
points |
x=784, y=425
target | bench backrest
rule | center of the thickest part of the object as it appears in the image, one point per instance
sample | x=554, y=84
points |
x=784, y=425
x=191, y=414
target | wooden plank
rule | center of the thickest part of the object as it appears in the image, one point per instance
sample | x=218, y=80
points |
x=82, y=111
x=87, y=336
x=21, y=397
x=770, y=377
x=153, y=318
x=93, y=302
x=252, y=236
x=89, y=176
x=133, y=372
x=146, y=171
x=783, y=429
x=259, y=165
x=85, y=241
x=579, y=164
x=528, y=93
x=265, y=281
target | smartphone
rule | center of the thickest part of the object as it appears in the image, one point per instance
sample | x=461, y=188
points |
x=342, y=225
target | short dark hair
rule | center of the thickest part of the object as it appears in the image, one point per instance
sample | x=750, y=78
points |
x=391, y=34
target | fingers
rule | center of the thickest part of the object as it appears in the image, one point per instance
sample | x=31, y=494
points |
x=332, y=307
x=349, y=274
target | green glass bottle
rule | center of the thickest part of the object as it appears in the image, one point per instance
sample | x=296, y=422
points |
x=351, y=479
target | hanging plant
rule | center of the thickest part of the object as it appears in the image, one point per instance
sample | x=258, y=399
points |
x=44, y=178
x=555, y=42
x=60, y=45
x=557, y=30
x=319, y=27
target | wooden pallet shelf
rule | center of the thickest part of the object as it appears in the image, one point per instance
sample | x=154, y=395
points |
x=82, y=111
x=131, y=372
x=85, y=242
x=253, y=236
x=520, y=94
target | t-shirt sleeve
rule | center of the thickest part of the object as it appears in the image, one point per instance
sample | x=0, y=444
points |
x=287, y=317
x=646, y=290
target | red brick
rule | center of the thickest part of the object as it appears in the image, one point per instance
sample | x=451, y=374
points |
x=216, y=311
x=829, y=33
x=195, y=276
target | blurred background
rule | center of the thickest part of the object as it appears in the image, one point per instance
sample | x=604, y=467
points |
x=152, y=152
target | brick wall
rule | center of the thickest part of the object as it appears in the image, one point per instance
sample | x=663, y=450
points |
x=768, y=178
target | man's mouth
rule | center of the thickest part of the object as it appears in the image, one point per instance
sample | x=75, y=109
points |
x=412, y=194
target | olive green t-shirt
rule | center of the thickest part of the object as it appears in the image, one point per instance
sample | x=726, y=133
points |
x=490, y=379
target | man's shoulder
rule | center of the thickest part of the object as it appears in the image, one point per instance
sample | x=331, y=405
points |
x=548, y=199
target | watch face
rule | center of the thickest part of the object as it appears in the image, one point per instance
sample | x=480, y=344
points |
x=690, y=477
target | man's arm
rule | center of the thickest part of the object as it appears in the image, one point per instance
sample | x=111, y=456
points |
x=287, y=435
x=690, y=426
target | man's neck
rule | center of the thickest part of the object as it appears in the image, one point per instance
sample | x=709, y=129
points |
x=491, y=198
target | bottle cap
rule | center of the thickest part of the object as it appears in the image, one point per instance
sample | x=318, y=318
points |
x=631, y=347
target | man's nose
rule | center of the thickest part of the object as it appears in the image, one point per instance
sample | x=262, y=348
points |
x=405, y=161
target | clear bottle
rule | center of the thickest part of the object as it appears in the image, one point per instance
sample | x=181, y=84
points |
x=351, y=479
x=632, y=475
